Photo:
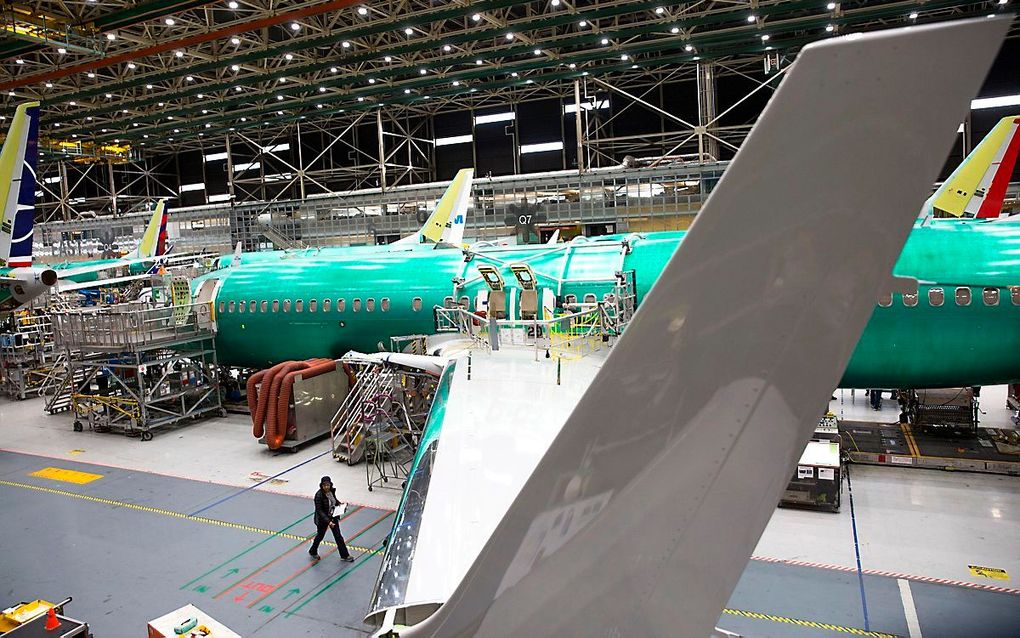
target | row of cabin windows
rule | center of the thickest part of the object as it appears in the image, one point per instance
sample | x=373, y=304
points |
x=962, y=294
x=465, y=302
x=313, y=305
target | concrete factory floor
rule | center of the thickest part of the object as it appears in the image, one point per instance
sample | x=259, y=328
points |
x=190, y=517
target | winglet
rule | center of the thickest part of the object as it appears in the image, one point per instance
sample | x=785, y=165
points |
x=977, y=188
x=17, y=186
x=153, y=243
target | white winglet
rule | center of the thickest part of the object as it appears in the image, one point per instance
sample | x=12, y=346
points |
x=640, y=517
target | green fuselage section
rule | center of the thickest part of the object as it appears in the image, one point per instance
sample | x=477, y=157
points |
x=373, y=295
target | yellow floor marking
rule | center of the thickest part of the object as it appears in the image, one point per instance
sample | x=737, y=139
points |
x=988, y=572
x=173, y=514
x=75, y=452
x=67, y=476
x=806, y=623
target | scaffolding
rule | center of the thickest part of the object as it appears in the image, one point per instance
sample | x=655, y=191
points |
x=134, y=369
x=27, y=358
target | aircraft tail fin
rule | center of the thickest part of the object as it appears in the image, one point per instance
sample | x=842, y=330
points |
x=446, y=223
x=18, y=160
x=153, y=243
x=977, y=187
x=236, y=259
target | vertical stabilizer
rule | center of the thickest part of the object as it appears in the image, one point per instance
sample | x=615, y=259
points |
x=446, y=223
x=153, y=243
x=977, y=187
x=17, y=186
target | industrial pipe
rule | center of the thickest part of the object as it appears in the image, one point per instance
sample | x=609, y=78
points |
x=275, y=437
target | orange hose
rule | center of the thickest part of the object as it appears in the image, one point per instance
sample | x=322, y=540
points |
x=271, y=398
x=275, y=437
x=258, y=402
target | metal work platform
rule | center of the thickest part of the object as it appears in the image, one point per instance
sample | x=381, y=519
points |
x=989, y=450
x=134, y=369
x=27, y=358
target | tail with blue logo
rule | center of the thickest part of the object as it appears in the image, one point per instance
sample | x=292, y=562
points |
x=446, y=223
x=18, y=160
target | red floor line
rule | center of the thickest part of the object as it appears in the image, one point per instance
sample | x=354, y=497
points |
x=270, y=563
x=176, y=476
x=878, y=572
x=302, y=570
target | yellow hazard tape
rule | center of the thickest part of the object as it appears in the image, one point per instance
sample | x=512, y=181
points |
x=806, y=623
x=173, y=514
x=988, y=572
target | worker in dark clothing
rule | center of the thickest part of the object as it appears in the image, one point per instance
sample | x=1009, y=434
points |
x=326, y=518
x=876, y=399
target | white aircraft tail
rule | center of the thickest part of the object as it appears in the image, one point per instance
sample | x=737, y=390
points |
x=446, y=223
x=640, y=517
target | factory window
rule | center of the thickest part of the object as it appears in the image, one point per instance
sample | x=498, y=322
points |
x=299, y=305
x=885, y=300
x=590, y=298
x=416, y=304
x=286, y=305
x=230, y=308
x=1014, y=293
x=910, y=299
x=465, y=302
x=241, y=306
x=341, y=305
x=264, y=306
x=936, y=297
x=357, y=305
x=276, y=305
x=385, y=304
x=991, y=296
x=325, y=305
x=370, y=304
x=223, y=306
x=963, y=296
x=313, y=305
x=251, y=305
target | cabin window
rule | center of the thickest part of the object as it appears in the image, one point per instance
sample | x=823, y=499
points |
x=276, y=305
x=910, y=299
x=223, y=307
x=385, y=304
x=341, y=305
x=264, y=305
x=570, y=299
x=448, y=302
x=1014, y=293
x=241, y=305
x=590, y=298
x=286, y=305
x=465, y=302
x=313, y=305
x=885, y=300
x=325, y=305
x=416, y=304
x=936, y=297
x=251, y=305
x=370, y=304
x=357, y=305
x=299, y=305
x=990, y=296
x=230, y=308
x=963, y=296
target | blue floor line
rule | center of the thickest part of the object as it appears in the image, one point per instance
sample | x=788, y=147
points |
x=857, y=549
x=262, y=482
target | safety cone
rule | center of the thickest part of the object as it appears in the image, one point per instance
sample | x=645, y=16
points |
x=51, y=620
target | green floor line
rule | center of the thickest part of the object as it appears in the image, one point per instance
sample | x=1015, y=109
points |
x=364, y=559
x=232, y=559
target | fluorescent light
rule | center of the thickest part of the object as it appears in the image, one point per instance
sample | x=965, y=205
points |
x=541, y=148
x=995, y=102
x=215, y=157
x=192, y=187
x=449, y=141
x=585, y=106
x=495, y=117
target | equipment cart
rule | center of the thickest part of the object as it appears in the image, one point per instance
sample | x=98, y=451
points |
x=818, y=479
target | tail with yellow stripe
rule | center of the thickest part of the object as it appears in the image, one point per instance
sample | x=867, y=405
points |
x=17, y=186
x=446, y=223
x=153, y=242
x=977, y=188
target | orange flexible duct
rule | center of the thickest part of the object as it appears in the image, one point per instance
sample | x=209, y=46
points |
x=272, y=391
x=258, y=401
x=275, y=437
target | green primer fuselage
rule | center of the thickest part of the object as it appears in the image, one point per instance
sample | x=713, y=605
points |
x=917, y=345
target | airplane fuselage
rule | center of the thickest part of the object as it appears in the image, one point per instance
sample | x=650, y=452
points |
x=962, y=327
